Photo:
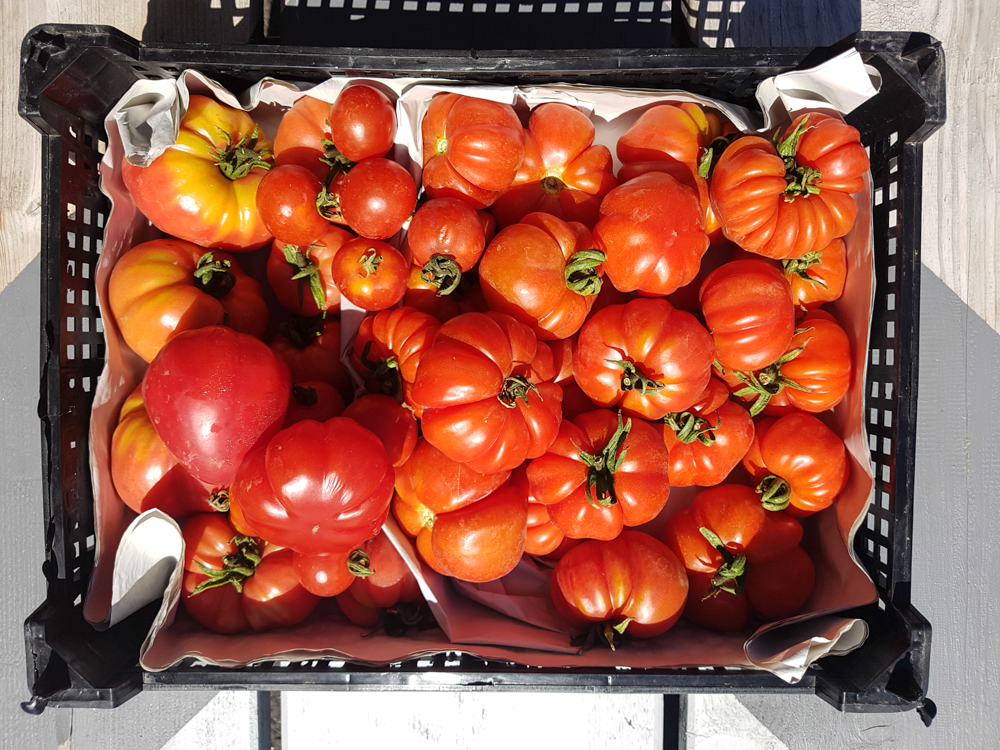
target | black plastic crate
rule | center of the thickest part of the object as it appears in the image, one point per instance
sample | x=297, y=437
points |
x=70, y=78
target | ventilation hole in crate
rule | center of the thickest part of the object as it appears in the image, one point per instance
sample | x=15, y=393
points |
x=884, y=528
x=646, y=7
x=525, y=8
x=71, y=158
x=893, y=137
x=85, y=325
x=359, y=4
x=871, y=546
x=86, y=351
x=571, y=8
x=883, y=554
x=873, y=418
x=90, y=542
x=72, y=383
x=294, y=4
x=893, y=187
x=78, y=600
x=85, y=382
x=102, y=145
x=594, y=7
x=72, y=131
x=892, y=217
x=85, y=269
x=878, y=196
x=381, y=4
x=100, y=220
x=870, y=522
x=874, y=390
x=70, y=325
x=71, y=211
x=881, y=604
x=479, y=7
x=86, y=243
x=875, y=356
x=665, y=6
x=98, y=325
x=623, y=7
x=892, y=246
x=885, y=501
x=70, y=296
x=502, y=8
x=433, y=6
x=70, y=352
x=98, y=246
x=71, y=267
x=888, y=390
x=890, y=329
x=413, y=5
x=76, y=550
x=886, y=446
x=84, y=296
x=890, y=302
x=890, y=357
x=885, y=473
x=890, y=274
x=887, y=418
x=71, y=239
x=893, y=164
x=872, y=442
x=72, y=444
x=548, y=7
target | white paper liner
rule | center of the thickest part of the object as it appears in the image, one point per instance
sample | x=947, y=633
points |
x=530, y=631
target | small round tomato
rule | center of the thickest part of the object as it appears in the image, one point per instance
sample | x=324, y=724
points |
x=705, y=448
x=819, y=276
x=446, y=238
x=332, y=573
x=314, y=400
x=302, y=277
x=389, y=584
x=286, y=202
x=362, y=122
x=370, y=273
x=632, y=584
x=392, y=423
x=377, y=197
x=311, y=349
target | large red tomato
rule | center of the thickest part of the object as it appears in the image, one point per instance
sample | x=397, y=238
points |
x=311, y=349
x=316, y=488
x=544, y=272
x=203, y=188
x=786, y=201
x=314, y=399
x=289, y=201
x=446, y=238
x=632, y=584
x=705, y=448
x=652, y=229
x=563, y=172
x=208, y=412
x=476, y=407
x=601, y=474
x=302, y=276
x=646, y=357
x=238, y=584
x=160, y=288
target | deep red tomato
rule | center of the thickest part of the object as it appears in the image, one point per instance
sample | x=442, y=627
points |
x=601, y=474
x=818, y=276
x=388, y=348
x=302, y=277
x=146, y=474
x=160, y=288
x=786, y=201
x=446, y=238
x=748, y=308
x=475, y=407
x=203, y=188
x=749, y=559
x=652, y=229
x=423, y=295
x=543, y=537
x=331, y=573
x=686, y=298
x=543, y=272
x=813, y=374
x=472, y=148
x=370, y=273
x=315, y=400
x=390, y=584
x=392, y=423
x=799, y=461
x=646, y=357
x=235, y=583
x=705, y=448
x=206, y=409
x=563, y=173
x=632, y=584
x=316, y=488
x=377, y=197
x=287, y=203
x=311, y=349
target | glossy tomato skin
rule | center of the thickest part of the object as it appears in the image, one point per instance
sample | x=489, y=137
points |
x=563, y=173
x=402, y=335
x=316, y=488
x=652, y=229
x=311, y=349
x=475, y=408
x=818, y=279
x=392, y=423
x=325, y=574
x=667, y=347
x=300, y=135
x=423, y=296
x=391, y=583
x=804, y=454
x=543, y=537
x=185, y=194
x=472, y=148
x=377, y=197
x=209, y=414
x=362, y=122
x=155, y=294
x=633, y=576
x=692, y=462
x=286, y=202
x=445, y=228
x=559, y=479
x=145, y=473
x=524, y=273
x=748, y=308
x=370, y=273
x=315, y=400
x=287, y=260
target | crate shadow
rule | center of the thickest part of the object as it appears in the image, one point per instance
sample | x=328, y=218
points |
x=207, y=21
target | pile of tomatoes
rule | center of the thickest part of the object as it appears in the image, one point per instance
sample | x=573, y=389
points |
x=549, y=347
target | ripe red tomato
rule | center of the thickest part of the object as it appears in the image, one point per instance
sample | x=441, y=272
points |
x=601, y=474
x=787, y=201
x=646, y=357
x=813, y=374
x=146, y=474
x=370, y=273
x=206, y=409
x=287, y=204
x=315, y=400
x=472, y=148
x=446, y=238
x=362, y=122
x=543, y=537
x=632, y=584
x=543, y=272
x=311, y=349
x=705, y=448
x=748, y=308
x=302, y=277
x=750, y=560
x=235, y=583
x=331, y=573
x=799, y=461
x=818, y=276
x=392, y=423
x=476, y=408
x=160, y=288
x=423, y=295
x=377, y=196
x=390, y=583
x=388, y=348
x=652, y=229
x=563, y=173
x=203, y=188
x=316, y=488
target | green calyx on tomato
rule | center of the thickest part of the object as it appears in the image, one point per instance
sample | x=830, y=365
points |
x=610, y=632
x=581, y=272
x=385, y=373
x=443, y=272
x=236, y=161
x=800, y=266
x=360, y=564
x=328, y=205
x=634, y=380
x=769, y=381
x=516, y=387
x=219, y=499
x=731, y=575
x=690, y=427
x=302, y=331
x=304, y=395
x=332, y=157
x=775, y=493
x=369, y=261
x=236, y=568
x=214, y=275
x=801, y=181
x=601, y=467
x=306, y=273
x=710, y=156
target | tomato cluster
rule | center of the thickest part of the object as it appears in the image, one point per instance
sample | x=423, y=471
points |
x=549, y=347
